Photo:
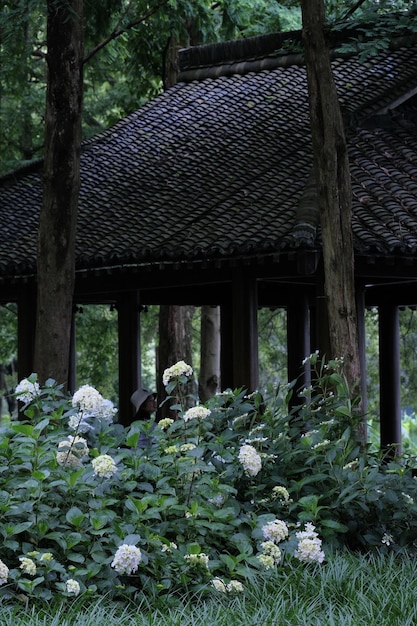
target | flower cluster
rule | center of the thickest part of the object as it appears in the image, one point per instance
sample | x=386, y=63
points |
x=176, y=371
x=165, y=423
x=27, y=565
x=280, y=493
x=233, y=587
x=275, y=531
x=250, y=460
x=196, y=412
x=73, y=587
x=104, y=466
x=197, y=560
x=309, y=545
x=4, y=573
x=72, y=451
x=90, y=403
x=271, y=555
x=127, y=559
x=27, y=390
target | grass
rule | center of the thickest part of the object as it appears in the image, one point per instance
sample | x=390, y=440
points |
x=346, y=590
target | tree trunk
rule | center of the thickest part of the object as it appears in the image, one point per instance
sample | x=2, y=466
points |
x=57, y=226
x=334, y=191
x=175, y=341
x=209, y=378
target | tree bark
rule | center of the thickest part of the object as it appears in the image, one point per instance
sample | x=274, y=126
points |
x=334, y=192
x=175, y=343
x=209, y=377
x=57, y=226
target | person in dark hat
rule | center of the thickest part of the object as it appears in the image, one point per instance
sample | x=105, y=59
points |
x=145, y=405
x=144, y=402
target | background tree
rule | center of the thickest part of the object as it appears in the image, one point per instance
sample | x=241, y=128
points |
x=58, y=217
x=334, y=193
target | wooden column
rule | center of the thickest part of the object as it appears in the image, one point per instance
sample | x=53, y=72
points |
x=26, y=324
x=129, y=353
x=245, y=330
x=72, y=366
x=389, y=377
x=298, y=339
x=226, y=346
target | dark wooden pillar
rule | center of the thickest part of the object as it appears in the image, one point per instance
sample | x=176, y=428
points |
x=245, y=330
x=360, y=314
x=226, y=346
x=389, y=377
x=26, y=323
x=129, y=353
x=298, y=339
x=72, y=367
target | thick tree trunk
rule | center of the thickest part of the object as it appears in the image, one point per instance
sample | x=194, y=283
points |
x=334, y=191
x=175, y=341
x=56, y=238
x=209, y=377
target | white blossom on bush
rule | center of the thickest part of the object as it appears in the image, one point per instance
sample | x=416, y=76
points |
x=127, y=559
x=271, y=549
x=4, y=573
x=165, y=423
x=266, y=560
x=250, y=460
x=91, y=404
x=72, y=451
x=219, y=585
x=169, y=547
x=27, y=566
x=26, y=391
x=276, y=531
x=175, y=371
x=387, y=539
x=197, y=560
x=309, y=545
x=196, y=412
x=73, y=587
x=280, y=493
x=234, y=586
x=104, y=466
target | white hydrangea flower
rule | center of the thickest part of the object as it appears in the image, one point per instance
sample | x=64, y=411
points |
x=234, y=586
x=76, y=422
x=92, y=404
x=165, y=423
x=271, y=549
x=104, y=466
x=175, y=371
x=26, y=391
x=186, y=447
x=197, y=560
x=281, y=493
x=72, y=451
x=276, y=531
x=169, y=548
x=73, y=587
x=250, y=460
x=196, y=412
x=127, y=559
x=46, y=557
x=309, y=545
x=27, y=566
x=4, y=573
x=219, y=585
x=266, y=560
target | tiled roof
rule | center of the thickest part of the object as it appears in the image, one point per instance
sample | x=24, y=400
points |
x=216, y=168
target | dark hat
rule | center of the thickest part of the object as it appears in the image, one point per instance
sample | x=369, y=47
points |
x=139, y=396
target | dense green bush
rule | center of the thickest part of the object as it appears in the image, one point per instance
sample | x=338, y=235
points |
x=201, y=501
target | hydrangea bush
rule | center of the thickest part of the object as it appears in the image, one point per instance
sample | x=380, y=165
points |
x=198, y=502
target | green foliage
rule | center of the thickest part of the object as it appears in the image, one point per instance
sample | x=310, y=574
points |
x=206, y=500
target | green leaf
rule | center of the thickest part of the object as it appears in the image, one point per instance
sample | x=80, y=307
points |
x=75, y=516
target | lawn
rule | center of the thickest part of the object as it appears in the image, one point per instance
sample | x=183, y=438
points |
x=345, y=590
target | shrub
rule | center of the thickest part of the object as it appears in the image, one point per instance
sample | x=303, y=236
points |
x=199, y=502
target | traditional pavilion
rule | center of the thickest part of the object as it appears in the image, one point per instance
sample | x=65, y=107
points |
x=204, y=196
